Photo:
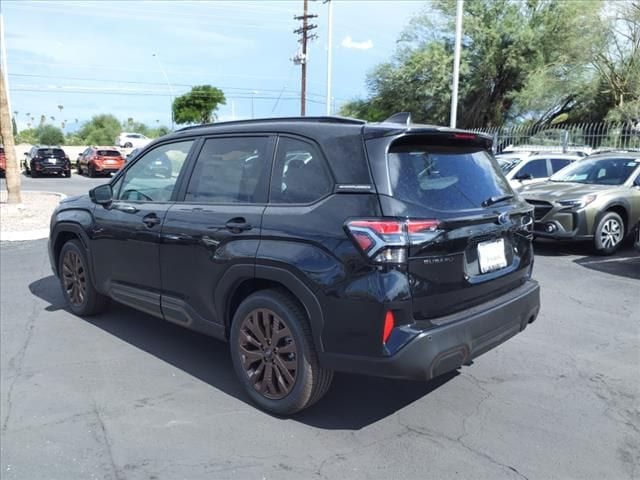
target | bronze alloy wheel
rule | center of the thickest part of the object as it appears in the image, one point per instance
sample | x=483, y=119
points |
x=74, y=277
x=269, y=353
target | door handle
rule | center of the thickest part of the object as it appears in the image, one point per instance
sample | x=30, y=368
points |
x=123, y=207
x=150, y=220
x=238, y=225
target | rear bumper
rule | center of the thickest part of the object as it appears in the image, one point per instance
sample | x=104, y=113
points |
x=456, y=340
x=52, y=169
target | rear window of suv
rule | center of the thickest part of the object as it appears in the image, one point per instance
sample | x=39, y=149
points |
x=108, y=153
x=48, y=152
x=444, y=178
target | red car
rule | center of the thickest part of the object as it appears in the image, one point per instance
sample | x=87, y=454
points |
x=100, y=161
x=3, y=162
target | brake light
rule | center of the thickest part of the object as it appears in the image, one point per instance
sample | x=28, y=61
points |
x=386, y=241
x=389, y=323
x=464, y=136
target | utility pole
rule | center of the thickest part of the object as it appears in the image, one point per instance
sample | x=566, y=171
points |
x=301, y=58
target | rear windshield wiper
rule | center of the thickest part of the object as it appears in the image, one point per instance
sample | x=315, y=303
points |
x=491, y=200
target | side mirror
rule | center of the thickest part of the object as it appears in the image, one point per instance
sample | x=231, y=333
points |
x=102, y=194
x=636, y=182
x=26, y=153
x=523, y=176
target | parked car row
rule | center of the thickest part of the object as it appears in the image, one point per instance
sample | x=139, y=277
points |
x=594, y=198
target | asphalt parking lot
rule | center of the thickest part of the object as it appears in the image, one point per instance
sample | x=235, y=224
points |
x=76, y=185
x=126, y=396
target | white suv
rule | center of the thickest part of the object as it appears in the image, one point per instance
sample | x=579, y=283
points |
x=131, y=140
x=526, y=168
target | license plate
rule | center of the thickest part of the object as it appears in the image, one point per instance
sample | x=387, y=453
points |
x=52, y=160
x=491, y=255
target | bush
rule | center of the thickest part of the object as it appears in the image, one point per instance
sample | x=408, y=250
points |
x=49, y=135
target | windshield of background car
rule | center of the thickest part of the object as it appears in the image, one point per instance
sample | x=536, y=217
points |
x=603, y=171
x=509, y=164
x=445, y=178
x=108, y=153
x=50, y=152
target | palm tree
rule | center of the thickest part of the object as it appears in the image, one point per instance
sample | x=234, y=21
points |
x=43, y=118
x=60, y=107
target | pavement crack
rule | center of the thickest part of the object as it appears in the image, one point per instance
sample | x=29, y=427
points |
x=17, y=361
x=105, y=439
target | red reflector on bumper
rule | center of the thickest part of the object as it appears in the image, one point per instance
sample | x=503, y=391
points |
x=389, y=323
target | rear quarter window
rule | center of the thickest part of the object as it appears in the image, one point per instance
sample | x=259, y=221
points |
x=444, y=178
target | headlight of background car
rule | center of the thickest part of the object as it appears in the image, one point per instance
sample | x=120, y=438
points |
x=579, y=202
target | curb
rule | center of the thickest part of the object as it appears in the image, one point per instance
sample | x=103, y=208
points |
x=25, y=235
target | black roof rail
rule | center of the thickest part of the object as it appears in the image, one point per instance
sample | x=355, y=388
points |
x=321, y=119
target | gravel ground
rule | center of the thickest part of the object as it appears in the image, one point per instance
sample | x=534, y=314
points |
x=33, y=213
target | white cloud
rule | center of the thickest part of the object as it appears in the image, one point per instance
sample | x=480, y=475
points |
x=348, y=42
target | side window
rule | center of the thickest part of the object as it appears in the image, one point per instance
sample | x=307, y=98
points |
x=299, y=173
x=230, y=170
x=536, y=168
x=559, y=164
x=153, y=176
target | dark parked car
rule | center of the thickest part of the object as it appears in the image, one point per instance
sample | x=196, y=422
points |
x=46, y=160
x=96, y=161
x=312, y=245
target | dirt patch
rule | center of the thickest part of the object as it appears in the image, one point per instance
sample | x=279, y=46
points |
x=34, y=213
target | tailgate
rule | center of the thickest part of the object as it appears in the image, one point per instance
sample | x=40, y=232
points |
x=482, y=247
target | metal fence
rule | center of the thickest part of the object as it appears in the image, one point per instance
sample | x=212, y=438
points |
x=585, y=137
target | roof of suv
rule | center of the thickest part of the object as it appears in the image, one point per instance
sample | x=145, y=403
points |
x=340, y=138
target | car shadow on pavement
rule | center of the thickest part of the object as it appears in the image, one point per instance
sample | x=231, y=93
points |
x=352, y=403
x=628, y=266
x=550, y=248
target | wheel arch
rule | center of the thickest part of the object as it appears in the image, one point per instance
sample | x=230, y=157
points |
x=61, y=234
x=241, y=281
x=622, y=209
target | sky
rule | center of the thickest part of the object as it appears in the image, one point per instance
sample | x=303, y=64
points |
x=94, y=57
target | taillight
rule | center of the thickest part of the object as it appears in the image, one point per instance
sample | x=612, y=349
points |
x=386, y=241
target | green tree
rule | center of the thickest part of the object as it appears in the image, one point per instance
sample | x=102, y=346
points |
x=100, y=130
x=49, y=135
x=199, y=105
x=158, y=132
x=27, y=135
x=519, y=59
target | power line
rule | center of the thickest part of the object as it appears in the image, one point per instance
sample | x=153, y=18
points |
x=137, y=82
x=155, y=94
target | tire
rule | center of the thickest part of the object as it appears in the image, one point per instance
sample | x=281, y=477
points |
x=34, y=174
x=128, y=145
x=79, y=168
x=75, y=281
x=91, y=171
x=67, y=174
x=307, y=383
x=609, y=233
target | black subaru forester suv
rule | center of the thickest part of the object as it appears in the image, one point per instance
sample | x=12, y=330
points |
x=312, y=245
